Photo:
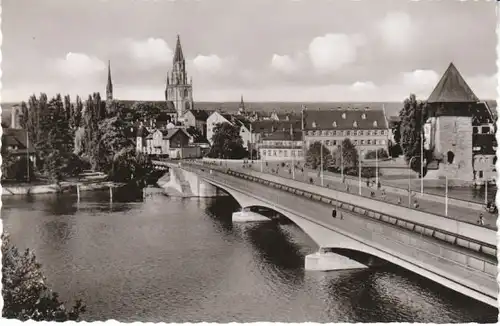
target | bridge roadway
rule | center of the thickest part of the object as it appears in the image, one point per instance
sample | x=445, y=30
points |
x=464, y=214
x=426, y=257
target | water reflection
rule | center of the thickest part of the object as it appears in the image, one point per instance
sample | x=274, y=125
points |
x=182, y=260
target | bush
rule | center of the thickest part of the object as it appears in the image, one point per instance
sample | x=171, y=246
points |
x=25, y=294
x=382, y=153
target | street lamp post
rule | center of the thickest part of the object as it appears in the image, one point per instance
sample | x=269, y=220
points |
x=409, y=180
x=321, y=165
x=359, y=160
x=446, y=199
x=341, y=163
x=376, y=167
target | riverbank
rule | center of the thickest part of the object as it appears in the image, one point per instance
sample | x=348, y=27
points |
x=62, y=187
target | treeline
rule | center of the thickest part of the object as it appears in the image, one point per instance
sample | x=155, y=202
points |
x=69, y=137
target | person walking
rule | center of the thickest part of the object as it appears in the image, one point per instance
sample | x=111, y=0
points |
x=481, y=220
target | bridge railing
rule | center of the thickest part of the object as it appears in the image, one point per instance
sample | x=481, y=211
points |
x=439, y=249
x=422, y=229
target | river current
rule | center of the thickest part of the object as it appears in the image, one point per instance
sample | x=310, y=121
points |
x=165, y=259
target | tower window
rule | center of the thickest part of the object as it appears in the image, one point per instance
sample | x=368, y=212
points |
x=375, y=124
x=334, y=124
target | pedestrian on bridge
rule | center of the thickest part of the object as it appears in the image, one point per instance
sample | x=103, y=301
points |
x=481, y=220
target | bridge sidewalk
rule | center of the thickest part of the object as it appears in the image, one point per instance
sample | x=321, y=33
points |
x=460, y=213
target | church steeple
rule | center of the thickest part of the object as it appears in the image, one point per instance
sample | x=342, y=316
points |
x=242, y=104
x=178, y=55
x=109, y=86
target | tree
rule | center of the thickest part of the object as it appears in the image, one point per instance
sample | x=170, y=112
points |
x=196, y=134
x=412, y=115
x=313, y=156
x=145, y=111
x=227, y=142
x=380, y=153
x=350, y=156
x=25, y=294
x=128, y=165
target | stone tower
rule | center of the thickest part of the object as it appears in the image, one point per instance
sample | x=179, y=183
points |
x=450, y=109
x=109, y=85
x=178, y=90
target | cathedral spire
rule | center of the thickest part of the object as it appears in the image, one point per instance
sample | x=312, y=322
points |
x=178, y=56
x=109, y=86
x=242, y=104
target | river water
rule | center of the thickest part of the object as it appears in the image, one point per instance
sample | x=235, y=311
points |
x=165, y=259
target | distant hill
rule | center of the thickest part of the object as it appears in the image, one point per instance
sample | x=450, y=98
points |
x=391, y=108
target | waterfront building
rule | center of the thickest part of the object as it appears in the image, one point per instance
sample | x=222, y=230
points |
x=282, y=145
x=171, y=142
x=460, y=132
x=366, y=128
x=178, y=90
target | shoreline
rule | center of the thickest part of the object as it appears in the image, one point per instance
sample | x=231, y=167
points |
x=63, y=187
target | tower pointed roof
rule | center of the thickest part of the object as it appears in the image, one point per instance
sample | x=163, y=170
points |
x=242, y=104
x=452, y=88
x=109, y=86
x=178, y=56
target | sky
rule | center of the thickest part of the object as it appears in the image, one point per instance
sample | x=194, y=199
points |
x=265, y=50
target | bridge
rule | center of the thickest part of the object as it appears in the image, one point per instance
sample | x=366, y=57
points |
x=455, y=254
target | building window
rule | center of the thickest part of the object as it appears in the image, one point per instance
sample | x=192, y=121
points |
x=334, y=142
x=375, y=124
x=355, y=124
x=317, y=133
x=314, y=124
x=369, y=141
x=474, y=130
x=355, y=141
x=362, y=141
x=451, y=157
x=331, y=133
x=363, y=116
x=311, y=133
x=334, y=124
x=348, y=132
x=481, y=174
x=325, y=133
x=343, y=116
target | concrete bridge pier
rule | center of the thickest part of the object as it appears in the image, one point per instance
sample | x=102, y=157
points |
x=246, y=215
x=324, y=261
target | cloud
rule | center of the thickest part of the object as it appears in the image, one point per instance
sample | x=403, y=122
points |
x=421, y=79
x=151, y=52
x=363, y=86
x=485, y=87
x=208, y=63
x=284, y=64
x=333, y=51
x=79, y=65
x=397, y=30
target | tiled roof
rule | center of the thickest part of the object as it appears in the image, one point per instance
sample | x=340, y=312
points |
x=362, y=119
x=17, y=137
x=452, y=88
x=284, y=135
x=201, y=115
x=268, y=126
x=142, y=132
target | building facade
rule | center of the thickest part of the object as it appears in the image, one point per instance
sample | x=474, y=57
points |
x=214, y=119
x=178, y=90
x=366, y=128
x=282, y=146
